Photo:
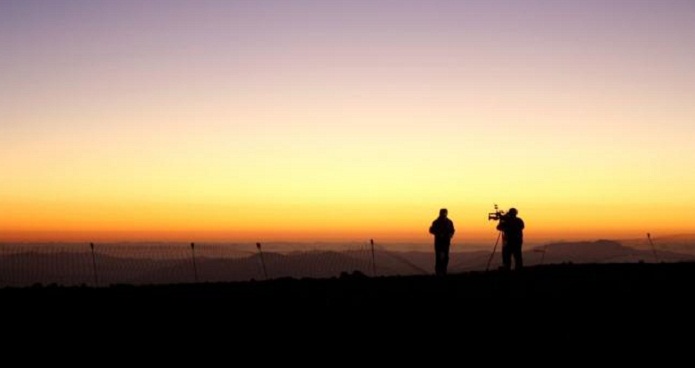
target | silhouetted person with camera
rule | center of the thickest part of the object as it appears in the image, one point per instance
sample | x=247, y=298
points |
x=443, y=230
x=512, y=228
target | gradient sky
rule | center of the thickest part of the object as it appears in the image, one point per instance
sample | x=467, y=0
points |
x=345, y=120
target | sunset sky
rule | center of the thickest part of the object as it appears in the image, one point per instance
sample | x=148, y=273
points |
x=345, y=120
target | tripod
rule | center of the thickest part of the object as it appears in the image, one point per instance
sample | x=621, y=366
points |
x=499, y=235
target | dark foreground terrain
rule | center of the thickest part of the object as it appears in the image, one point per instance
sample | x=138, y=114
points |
x=594, y=306
x=592, y=282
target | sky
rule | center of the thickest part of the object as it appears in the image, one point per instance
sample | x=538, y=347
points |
x=345, y=120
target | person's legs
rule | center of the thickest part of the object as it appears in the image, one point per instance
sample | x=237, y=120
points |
x=506, y=256
x=518, y=258
x=441, y=254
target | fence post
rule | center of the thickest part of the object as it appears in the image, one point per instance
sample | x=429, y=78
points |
x=260, y=252
x=94, y=265
x=649, y=237
x=545, y=250
x=195, y=267
x=371, y=241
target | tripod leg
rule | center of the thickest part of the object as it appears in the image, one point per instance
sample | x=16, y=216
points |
x=499, y=234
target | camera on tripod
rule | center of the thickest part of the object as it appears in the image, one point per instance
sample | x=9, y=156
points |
x=497, y=215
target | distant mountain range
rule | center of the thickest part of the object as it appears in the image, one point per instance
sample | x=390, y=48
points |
x=150, y=265
x=601, y=251
x=683, y=243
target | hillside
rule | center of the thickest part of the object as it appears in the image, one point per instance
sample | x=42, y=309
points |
x=600, y=251
x=166, y=265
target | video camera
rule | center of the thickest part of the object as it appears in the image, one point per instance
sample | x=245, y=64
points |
x=497, y=215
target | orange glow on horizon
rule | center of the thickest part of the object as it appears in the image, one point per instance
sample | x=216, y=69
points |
x=308, y=223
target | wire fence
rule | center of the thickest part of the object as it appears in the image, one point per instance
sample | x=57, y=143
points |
x=101, y=265
x=107, y=264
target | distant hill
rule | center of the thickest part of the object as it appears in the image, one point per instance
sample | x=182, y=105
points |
x=151, y=265
x=682, y=243
x=600, y=251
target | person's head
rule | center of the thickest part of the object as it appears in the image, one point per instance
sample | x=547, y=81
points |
x=512, y=212
x=443, y=212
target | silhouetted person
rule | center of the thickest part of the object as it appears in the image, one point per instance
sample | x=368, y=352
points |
x=512, y=228
x=443, y=230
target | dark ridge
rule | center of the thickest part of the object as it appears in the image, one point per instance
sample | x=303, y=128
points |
x=578, y=281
